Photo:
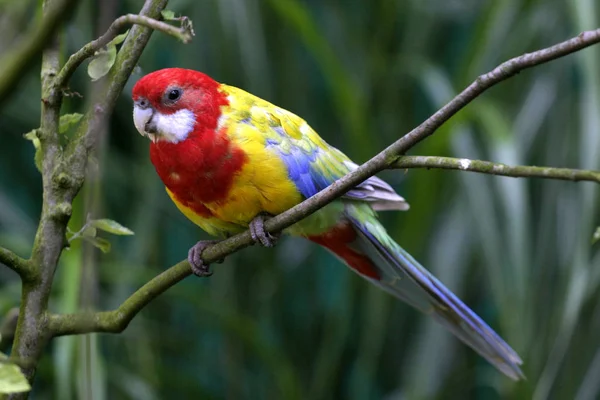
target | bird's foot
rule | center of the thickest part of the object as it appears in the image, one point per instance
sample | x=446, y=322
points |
x=257, y=230
x=199, y=267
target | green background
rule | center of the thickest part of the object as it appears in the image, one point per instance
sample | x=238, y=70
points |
x=292, y=322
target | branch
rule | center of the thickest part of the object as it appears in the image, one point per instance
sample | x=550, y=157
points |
x=31, y=335
x=16, y=263
x=117, y=320
x=18, y=60
x=491, y=168
x=87, y=51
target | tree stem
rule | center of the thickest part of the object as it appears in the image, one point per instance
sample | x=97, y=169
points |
x=32, y=334
x=491, y=168
x=63, y=171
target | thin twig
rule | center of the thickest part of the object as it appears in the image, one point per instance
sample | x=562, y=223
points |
x=117, y=320
x=491, y=168
x=87, y=51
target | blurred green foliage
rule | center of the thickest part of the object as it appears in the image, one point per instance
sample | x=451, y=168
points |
x=292, y=322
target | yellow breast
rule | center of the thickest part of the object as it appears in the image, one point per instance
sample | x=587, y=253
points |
x=261, y=186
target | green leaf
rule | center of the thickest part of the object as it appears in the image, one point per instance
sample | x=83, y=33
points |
x=596, y=235
x=32, y=135
x=105, y=59
x=12, y=379
x=102, y=62
x=67, y=121
x=89, y=231
x=38, y=151
x=168, y=15
x=118, y=39
x=100, y=243
x=108, y=225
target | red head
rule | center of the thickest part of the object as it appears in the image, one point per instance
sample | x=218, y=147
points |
x=179, y=109
x=172, y=103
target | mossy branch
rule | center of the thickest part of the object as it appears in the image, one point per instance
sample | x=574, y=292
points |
x=491, y=168
x=391, y=157
x=31, y=334
x=16, y=263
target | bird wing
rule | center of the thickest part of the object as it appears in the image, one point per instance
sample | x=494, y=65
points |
x=311, y=162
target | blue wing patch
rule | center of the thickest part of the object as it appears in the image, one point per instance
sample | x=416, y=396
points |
x=300, y=172
x=313, y=168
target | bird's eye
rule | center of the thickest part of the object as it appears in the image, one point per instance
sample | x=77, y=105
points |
x=173, y=95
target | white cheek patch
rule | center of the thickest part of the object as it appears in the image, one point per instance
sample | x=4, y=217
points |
x=174, y=127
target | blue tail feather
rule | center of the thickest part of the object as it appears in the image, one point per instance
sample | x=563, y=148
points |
x=405, y=278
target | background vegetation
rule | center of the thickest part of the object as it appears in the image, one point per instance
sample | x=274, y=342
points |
x=291, y=322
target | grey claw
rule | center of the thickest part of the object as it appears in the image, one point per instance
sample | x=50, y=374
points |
x=257, y=231
x=199, y=267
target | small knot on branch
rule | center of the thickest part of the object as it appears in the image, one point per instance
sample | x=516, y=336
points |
x=64, y=181
x=62, y=211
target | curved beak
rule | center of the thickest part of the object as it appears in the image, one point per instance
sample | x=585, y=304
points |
x=145, y=123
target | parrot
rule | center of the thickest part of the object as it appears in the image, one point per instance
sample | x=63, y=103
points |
x=229, y=160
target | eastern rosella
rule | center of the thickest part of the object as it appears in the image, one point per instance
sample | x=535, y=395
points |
x=228, y=158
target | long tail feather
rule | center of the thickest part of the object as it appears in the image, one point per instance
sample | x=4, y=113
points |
x=369, y=251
